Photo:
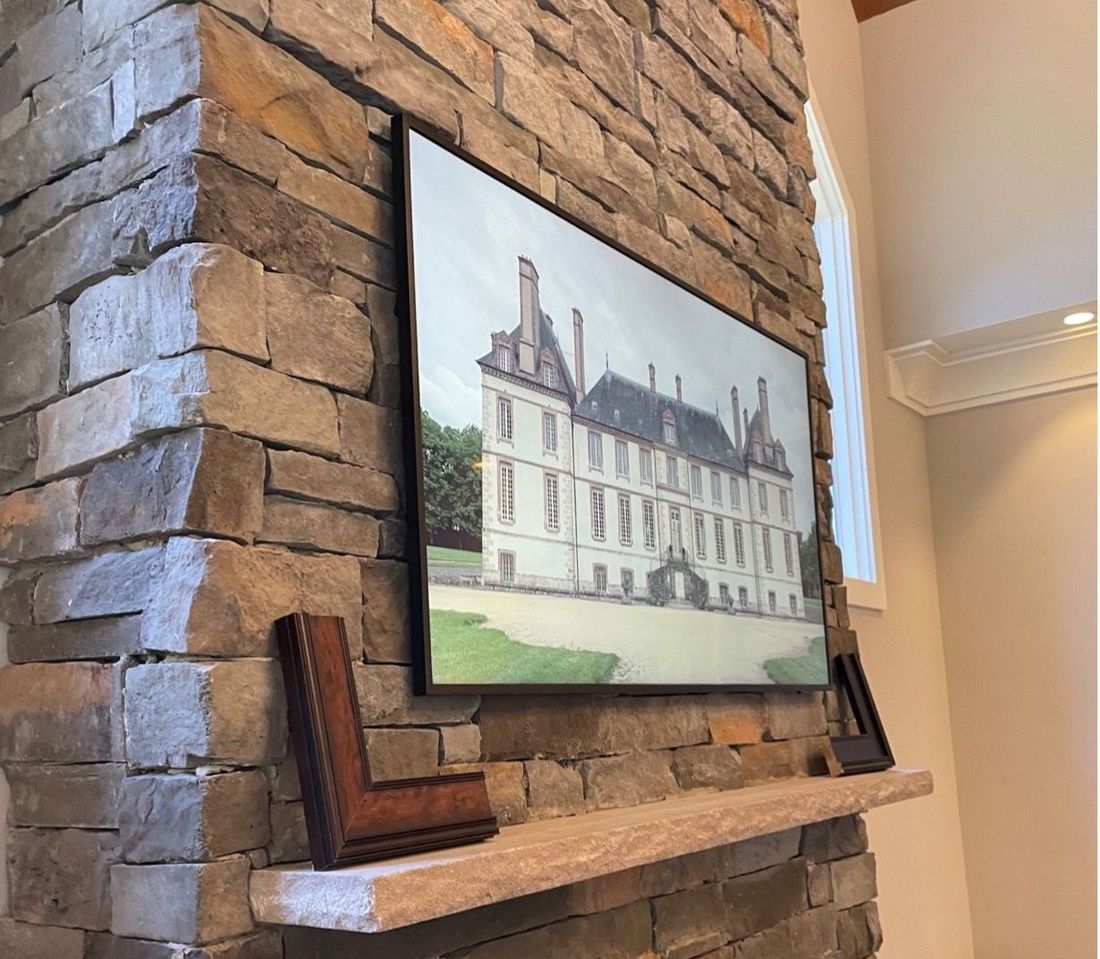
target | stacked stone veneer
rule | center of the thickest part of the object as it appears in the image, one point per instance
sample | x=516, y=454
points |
x=199, y=432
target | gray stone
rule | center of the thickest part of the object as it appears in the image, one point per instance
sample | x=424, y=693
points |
x=402, y=753
x=386, y=698
x=794, y=715
x=17, y=597
x=854, y=880
x=762, y=899
x=48, y=47
x=266, y=944
x=773, y=944
x=341, y=484
x=195, y=818
x=859, y=932
x=714, y=767
x=691, y=922
x=295, y=523
x=386, y=635
x=18, y=450
x=552, y=789
x=30, y=361
x=834, y=839
x=62, y=796
x=504, y=782
x=61, y=877
x=61, y=712
x=814, y=932
x=627, y=780
x=105, y=585
x=27, y=940
x=370, y=435
x=289, y=837
x=819, y=884
x=40, y=523
x=197, y=481
x=363, y=258
x=190, y=714
x=392, y=535
x=460, y=744
x=82, y=428
x=182, y=902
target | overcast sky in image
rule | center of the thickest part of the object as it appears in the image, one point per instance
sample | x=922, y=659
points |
x=468, y=230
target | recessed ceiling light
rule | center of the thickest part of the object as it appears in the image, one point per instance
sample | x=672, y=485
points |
x=1077, y=319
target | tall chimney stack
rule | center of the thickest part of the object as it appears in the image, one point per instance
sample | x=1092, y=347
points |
x=578, y=352
x=736, y=404
x=679, y=388
x=765, y=416
x=529, y=311
x=652, y=378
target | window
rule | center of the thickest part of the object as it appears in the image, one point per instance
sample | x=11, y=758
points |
x=724, y=594
x=668, y=428
x=696, y=482
x=550, y=375
x=649, y=524
x=626, y=578
x=700, y=536
x=739, y=544
x=784, y=504
x=794, y=604
x=672, y=471
x=788, y=553
x=716, y=487
x=766, y=536
x=622, y=458
x=735, y=493
x=506, y=359
x=595, y=450
x=719, y=539
x=626, y=527
x=549, y=432
x=553, y=503
x=507, y=493
x=504, y=419
x=762, y=497
x=599, y=515
x=599, y=577
x=507, y=563
x=645, y=464
x=771, y=601
x=675, y=533
x=742, y=597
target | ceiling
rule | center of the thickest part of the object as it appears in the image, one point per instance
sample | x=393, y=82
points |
x=865, y=9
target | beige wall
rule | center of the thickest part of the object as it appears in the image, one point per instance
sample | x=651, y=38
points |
x=1014, y=496
x=923, y=898
x=982, y=127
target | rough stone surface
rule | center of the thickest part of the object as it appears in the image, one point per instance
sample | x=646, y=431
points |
x=370, y=435
x=294, y=523
x=312, y=477
x=691, y=922
x=736, y=720
x=784, y=760
x=627, y=780
x=386, y=698
x=31, y=941
x=386, y=631
x=18, y=449
x=854, y=880
x=84, y=795
x=460, y=744
x=84, y=427
x=402, y=753
x=716, y=767
x=40, y=523
x=553, y=789
x=107, y=584
x=761, y=899
x=796, y=715
x=859, y=932
x=30, y=361
x=504, y=781
x=835, y=839
x=108, y=637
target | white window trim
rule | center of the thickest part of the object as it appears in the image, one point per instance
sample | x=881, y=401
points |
x=855, y=490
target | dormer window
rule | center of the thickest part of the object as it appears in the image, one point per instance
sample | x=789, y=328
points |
x=668, y=428
x=506, y=359
x=549, y=375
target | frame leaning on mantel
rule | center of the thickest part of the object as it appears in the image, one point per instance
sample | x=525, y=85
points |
x=350, y=818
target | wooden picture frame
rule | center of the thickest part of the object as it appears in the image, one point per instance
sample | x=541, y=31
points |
x=868, y=750
x=349, y=818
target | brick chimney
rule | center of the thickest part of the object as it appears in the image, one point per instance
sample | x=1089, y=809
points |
x=652, y=378
x=735, y=403
x=578, y=352
x=765, y=416
x=529, y=311
x=679, y=388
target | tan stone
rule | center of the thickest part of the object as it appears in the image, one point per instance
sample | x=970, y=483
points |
x=795, y=715
x=289, y=837
x=31, y=941
x=104, y=585
x=553, y=789
x=338, y=29
x=762, y=762
x=338, y=483
x=347, y=204
x=710, y=767
x=386, y=698
x=61, y=796
x=627, y=780
x=504, y=781
x=460, y=744
x=294, y=523
x=40, y=523
x=735, y=719
x=370, y=435
x=402, y=753
x=386, y=636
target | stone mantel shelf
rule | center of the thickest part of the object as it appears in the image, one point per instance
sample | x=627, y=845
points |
x=535, y=857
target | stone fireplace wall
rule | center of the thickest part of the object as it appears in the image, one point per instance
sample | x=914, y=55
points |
x=199, y=432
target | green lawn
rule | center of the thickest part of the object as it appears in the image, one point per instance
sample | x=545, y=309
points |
x=453, y=557
x=814, y=612
x=808, y=670
x=464, y=650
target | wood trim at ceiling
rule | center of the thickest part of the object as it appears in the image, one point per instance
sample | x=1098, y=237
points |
x=865, y=9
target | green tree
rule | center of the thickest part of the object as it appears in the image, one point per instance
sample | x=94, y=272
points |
x=452, y=482
x=810, y=561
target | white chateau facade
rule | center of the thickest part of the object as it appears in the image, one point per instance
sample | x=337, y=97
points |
x=623, y=491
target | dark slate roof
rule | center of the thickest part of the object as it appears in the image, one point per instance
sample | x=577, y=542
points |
x=547, y=338
x=629, y=407
x=768, y=452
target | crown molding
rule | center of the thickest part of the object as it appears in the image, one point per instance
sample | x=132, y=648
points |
x=952, y=373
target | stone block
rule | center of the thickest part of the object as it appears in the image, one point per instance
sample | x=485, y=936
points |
x=182, y=902
x=220, y=599
x=30, y=361
x=341, y=484
x=761, y=899
x=48, y=47
x=317, y=336
x=17, y=597
x=186, y=714
x=197, y=481
x=763, y=852
x=26, y=940
x=627, y=780
x=345, y=203
x=854, y=880
x=104, y=585
x=819, y=884
x=370, y=435
x=859, y=932
x=266, y=944
x=690, y=923
x=402, y=753
x=61, y=877
x=18, y=450
x=504, y=781
x=785, y=760
x=552, y=789
x=386, y=698
x=195, y=818
x=834, y=839
x=40, y=523
x=771, y=85
x=386, y=631
x=773, y=944
x=460, y=744
x=60, y=712
x=289, y=836
x=736, y=719
x=338, y=30
x=795, y=715
x=814, y=932
x=51, y=796
x=604, y=48
x=292, y=522
x=194, y=296
x=84, y=427
x=107, y=637
x=515, y=727
x=707, y=767
x=392, y=535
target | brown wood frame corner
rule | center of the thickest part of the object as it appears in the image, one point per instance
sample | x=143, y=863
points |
x=349, y=818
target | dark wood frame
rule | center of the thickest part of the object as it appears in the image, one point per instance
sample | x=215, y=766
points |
x=868, y=750
x=403, y=125
x=349, y=818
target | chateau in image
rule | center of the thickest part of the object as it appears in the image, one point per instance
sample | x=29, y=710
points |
x=620, y=490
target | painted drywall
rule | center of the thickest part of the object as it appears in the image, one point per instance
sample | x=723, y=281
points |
x=923, y=896
x=1014, y=507
x=981, y=121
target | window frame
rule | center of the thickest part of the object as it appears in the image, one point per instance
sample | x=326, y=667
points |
x=505, y=403
x=625, y=515
x=601, y=494
x=649, y=524
x=595, y=444
x=645, y=474
x=549, y=430
x=502, y=554
x=506, y=516
x=622, y=468
x=552, y=513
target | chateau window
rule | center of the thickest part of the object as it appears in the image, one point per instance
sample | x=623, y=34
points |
x=506, y=562
x=649, y=524
x=550, y=375
x=739, y=544
x=766, y=535
x=504, y=419
x=507, y=493
x=626, y=526
x=549, y=432
x=672, y=471
x=599, y=515
x=700, y=536
x=735, y=493
x=788, y=553
x=724, y=594
x=553, y=504
x=645, y=464
x=506, y=359
x=696, y=482
x=719, y=539
x=771, y=601
x=599, y=577
x=794, y=604
x=716, y=487
x=595, y=450
x=668, y=428
x=743, y=597
x=622, y=458
x=784, y=504
x=762, y=496
x=626, y=577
